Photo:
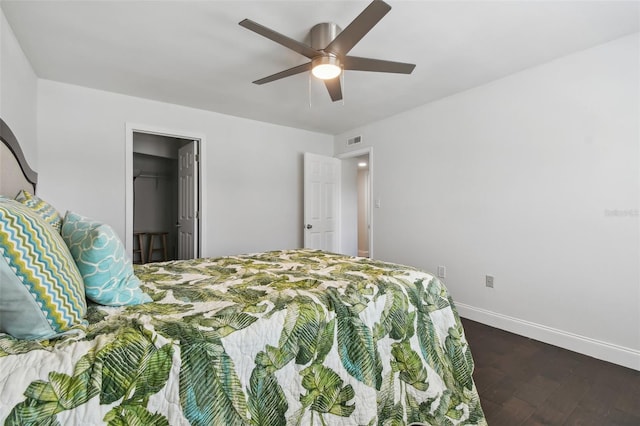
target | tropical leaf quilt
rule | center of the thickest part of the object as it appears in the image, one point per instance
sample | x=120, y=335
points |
x=296, y=337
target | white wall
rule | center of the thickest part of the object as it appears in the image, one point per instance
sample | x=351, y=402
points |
x=18, y=92
x=518, y=179
x=253, y=169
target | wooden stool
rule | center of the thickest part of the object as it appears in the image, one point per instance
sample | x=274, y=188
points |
x=139, y=238
x=162, y=250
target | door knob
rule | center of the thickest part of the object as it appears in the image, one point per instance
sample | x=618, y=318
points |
x=309, y=226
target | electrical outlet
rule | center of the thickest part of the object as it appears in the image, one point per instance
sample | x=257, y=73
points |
x=489, y=281
x=442, y=271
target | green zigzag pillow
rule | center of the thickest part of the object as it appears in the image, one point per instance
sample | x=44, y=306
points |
x=42, y=290
x=44, y=209
x=103, y=263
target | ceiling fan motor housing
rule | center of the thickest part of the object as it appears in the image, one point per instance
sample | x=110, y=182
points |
x=323, y=34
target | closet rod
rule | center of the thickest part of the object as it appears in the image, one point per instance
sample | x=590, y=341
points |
x=151, y=176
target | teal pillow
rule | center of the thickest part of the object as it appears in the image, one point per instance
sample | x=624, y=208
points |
x=103, y=263
x=42, y=294
x=44, y=209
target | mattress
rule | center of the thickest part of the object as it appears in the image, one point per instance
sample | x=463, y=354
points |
x=293, y=337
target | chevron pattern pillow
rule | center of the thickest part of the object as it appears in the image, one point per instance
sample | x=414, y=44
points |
x=102, y=261
x=44, y=209
x=42, y=290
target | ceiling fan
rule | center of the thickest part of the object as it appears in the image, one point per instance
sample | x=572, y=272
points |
x=329, y=48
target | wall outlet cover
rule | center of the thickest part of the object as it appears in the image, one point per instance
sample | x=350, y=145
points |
x=489, y=281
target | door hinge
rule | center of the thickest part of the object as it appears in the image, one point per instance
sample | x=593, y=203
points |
x=197, y=215
x=196, y=158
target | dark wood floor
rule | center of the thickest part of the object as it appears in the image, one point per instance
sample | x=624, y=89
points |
x=526, y=382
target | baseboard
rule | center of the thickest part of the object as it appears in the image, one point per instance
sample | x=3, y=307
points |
x=609, y=352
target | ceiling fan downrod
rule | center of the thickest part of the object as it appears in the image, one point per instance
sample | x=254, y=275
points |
x=322, y=34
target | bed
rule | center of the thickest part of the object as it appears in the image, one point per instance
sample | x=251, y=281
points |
x=290, y=337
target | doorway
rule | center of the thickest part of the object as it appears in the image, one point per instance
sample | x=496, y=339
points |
x=157, y=195
x=164, y=196
x=364, y=191
x=356, y=213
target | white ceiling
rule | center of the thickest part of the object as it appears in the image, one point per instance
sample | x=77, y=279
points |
x=194, y=53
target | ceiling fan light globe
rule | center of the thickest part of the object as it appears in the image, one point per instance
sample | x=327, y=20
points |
x=326, y=67
x=326, y=71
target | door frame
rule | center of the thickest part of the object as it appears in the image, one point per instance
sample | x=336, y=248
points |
x=130, y=128
x=358, y=153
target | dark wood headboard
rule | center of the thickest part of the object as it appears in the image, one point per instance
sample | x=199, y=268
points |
x=15, y=173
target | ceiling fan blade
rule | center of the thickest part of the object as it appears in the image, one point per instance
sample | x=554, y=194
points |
x=355, y=63
x=357, y=29
x=333, y=86
x=286, y=73
x=282, y=39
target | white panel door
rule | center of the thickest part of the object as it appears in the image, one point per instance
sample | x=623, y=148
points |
x=321, y=202
x=187, y=201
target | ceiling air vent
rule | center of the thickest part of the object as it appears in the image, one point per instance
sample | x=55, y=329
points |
x=354, y=140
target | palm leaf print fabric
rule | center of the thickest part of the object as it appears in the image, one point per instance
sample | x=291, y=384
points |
x=296, y=337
